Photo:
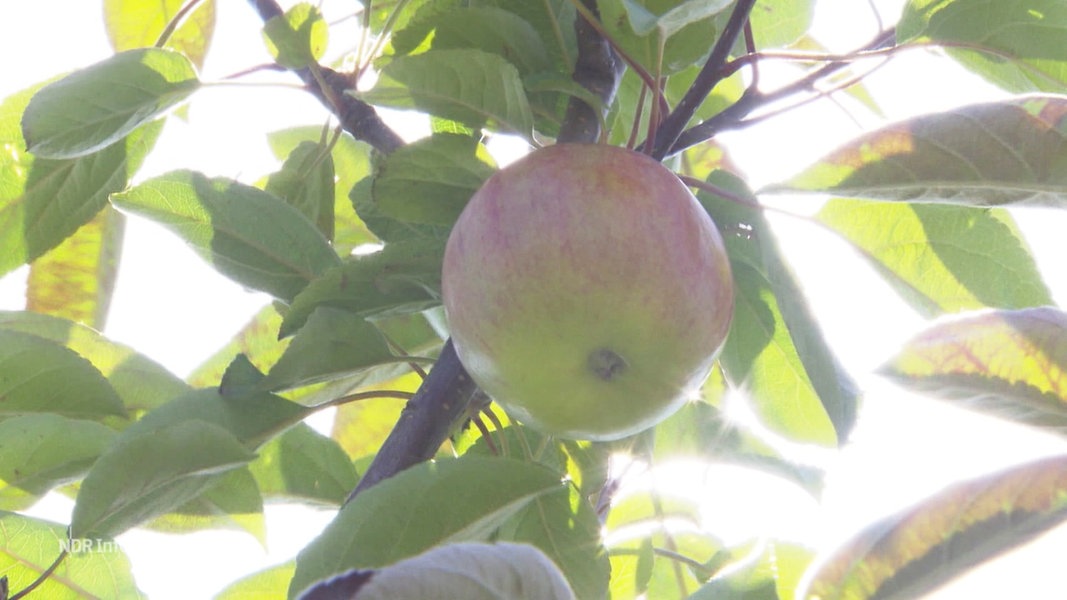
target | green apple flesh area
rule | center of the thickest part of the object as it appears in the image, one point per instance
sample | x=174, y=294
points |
x=587, y=291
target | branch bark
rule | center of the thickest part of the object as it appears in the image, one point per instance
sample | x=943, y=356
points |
x=598, y=69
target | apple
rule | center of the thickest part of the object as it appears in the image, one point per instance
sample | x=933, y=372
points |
x=587, y=291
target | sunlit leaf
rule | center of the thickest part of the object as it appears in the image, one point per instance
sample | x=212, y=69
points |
x=1007, y=152
x=775, y=351
x=42, y=201
x=233, y=502
x=97, y=106
x=76, y=279
x=138, y=24
x=28, y=546
x=469, y=86
x=361, y=427
x=257, y=340
x=1008, y=363
x=942, y=258
x=1016, y=45
x=146, y=474
x=297, y=38
x=247, y=234
x=915, y=551
x=268, y=584
x=427, y=505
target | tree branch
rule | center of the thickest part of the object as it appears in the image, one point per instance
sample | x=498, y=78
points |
x=710, y=76
x=426, y=421
x=598, y=69
x=357, y=117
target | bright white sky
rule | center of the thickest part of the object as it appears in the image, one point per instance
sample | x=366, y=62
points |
x=904, y=448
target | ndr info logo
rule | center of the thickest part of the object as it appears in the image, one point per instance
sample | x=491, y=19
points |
x=80, y=545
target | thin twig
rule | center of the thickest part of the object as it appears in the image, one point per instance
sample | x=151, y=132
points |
x=41, y=578
x=176, y=21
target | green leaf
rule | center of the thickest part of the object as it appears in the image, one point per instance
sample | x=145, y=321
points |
x=139, y=381
x=776, y=351
x=1007, y=152
x=232, y=502
x=146, y=474
x=495, y=31
x=1016, y=45
x=268, y=584
x=773, y=575
x=472, y=571
x=689, y=29
x=306, y=182
x=39, y=452
x=777, y=23
x=28, y=546
x=332, y=344
x=42, y=202
x=97, y=106
x=403, y=277
x=431, y=180
x=351, y=160
x=257, y=340
x=915, y=551
x=674, y=19
x=138, y=24
x=76, y=279
x=565, y=527
x=303, y=465
x=247, y=234
x=252, y=419
x=41, y=376
x=940, y=258
x=470, y=86
x=1012, y=364
x=298, y=38
x=426, y=505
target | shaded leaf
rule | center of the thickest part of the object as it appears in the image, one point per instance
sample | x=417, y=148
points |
x=97, y=106
x=28, y=546
x=689, y=30
x=41, y=376
x=39, y=452
x=674, y=19
x=403, y=277
x=139, y=381
x=146, y=474
x=1008, y=363
x=1007, y=152
x=431, y=180
x=470, y=86
x=332, y=344
x=942, y=258
x=493, y=30
x=564, y=526
x=77, y=278
x=232, y=502
x=257, y=340
x=138, y=24
x=298, y=38
x=306, y=182
x=473, y=571
x=915, y=551
x=42, y=202
x=428, y=504
x=247, y=234
x=351, y=160
x=1016, y=45
x=302, y=464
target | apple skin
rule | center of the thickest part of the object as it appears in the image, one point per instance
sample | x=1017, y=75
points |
x=587, y=291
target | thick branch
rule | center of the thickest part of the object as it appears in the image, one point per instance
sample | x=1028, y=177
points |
x=710, y=76
x=598, y=69
x=426, y=421
x=357, y=117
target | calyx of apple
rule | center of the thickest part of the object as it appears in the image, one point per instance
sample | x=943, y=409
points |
x=587, y=291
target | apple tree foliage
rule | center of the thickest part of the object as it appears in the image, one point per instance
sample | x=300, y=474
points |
x=450, y=484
